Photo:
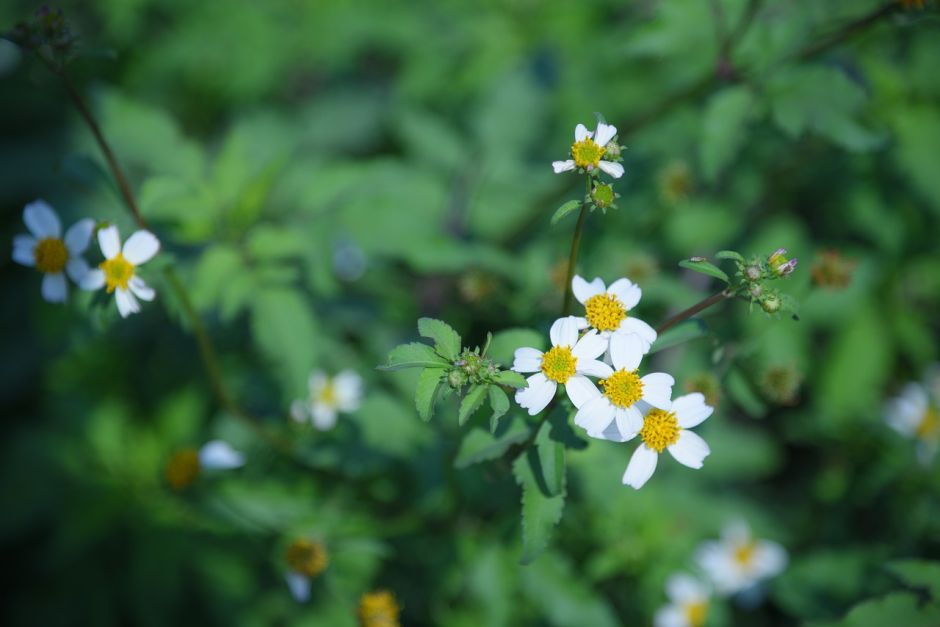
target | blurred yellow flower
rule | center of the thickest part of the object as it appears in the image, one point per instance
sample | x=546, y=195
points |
x=378, y=609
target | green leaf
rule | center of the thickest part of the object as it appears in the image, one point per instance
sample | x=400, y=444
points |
x=564, y=210
x=504, y=344
x=479, y=445
x=414, y=355
x=426, y=393
x=471, y=402
x=685, y=331
x=511, y=377
x=285, y=330
x=705, y=268
x=446, y=340
x=724, y=129
x=897, y=608
x=919, y=574
x=499, y=402
x=729, y=254
x=540, y=511
x=551, y=456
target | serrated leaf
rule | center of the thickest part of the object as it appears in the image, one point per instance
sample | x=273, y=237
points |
x=413, y=355
x=685, y=331
x=564, y=210
x=499, y=402
x=540, y=512
x=479, y=445
x=705, y=268
x=426, y=393
x=446, y=340
x=471, y=402
x=551, y=466
x=729, y=254
x=919, y=574
x=511, y=377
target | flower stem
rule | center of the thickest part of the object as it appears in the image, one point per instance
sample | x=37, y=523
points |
x=573, y=255
x=702, y=305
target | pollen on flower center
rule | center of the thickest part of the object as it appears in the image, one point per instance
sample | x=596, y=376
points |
x=327, y=395
x=929, y=424
x=307, y=557
x=586, y=153
x=559, y=364
x=660, y=429
x=118, y=272
x=604, y=312
x=182, y=469
x=623, y=388
x=744, y=553
x=51, y=255
x=696, y=612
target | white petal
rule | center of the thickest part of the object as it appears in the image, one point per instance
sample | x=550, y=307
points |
x=605, y=133
x=611, y=168
x=580, y=132
x=537, y=395
x=645, y=331
x=77, y=268
x=684, y=588
x=323, y=416
x=299, y=411
x=299, y=586
x=110, y=241
x=78, y=237
x=316, y=382
x=54, y=288
x=691, y=410
x=737, y=532
x=140, y=289
x=580, y=390
x=564, y=332
x=219, y=455
x=690, y=449
x=591, y=346
x=629, y=422
x=627, y=292
x=141, y=247
x=594, y=368
x=126, y=303
x=657, y=389
x=348, y=385
x=24, y=250
x=626, y=351
x=94, y=280
x=527, y=360
x=641, y=467
x=41, y=220
x=595, y=415
x=584, y=290
x=562, y=166
x=670, y=616
x=770, y=558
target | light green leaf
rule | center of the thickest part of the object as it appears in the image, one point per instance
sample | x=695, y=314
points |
x=919, y=574
x=724, y=129
x=471, y=402
x=284, y=328
x=685, y=331
x=499, y=402
x=705, y=267
x=479, y=445
x=729, y=254
x=511, y=377
x=505, y=343
x=898, y=608
x=413, y=355
x=426, y=393
x=540, y=511
x=551, y=456
x=564, y=210
x=446, y=340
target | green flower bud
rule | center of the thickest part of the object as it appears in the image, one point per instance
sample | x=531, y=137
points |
x=457, y=378
x=602, y=195
x=771, y=303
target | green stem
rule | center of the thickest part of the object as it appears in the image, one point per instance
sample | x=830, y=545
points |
x=575, y=245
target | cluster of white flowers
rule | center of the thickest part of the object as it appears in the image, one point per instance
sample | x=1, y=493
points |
x=327, y=398
x=56, y=255
x=608, y=343
x=737, y=563
x=915, y=413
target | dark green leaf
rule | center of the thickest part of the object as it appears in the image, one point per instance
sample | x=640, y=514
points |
x=414, y=355
x=479, y=445
x=471, y=402
x=551, y=461
x=426, y=393
x=499, y=402
x=898, y=608
x=540, y=512
x=446, y=340
x=919, y=574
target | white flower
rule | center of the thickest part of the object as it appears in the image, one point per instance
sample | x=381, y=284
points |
x=669, y=429
x=688, y=605
x=587, y=150
x=118, y=270
x=739, y=561
x=912, y=414
x=219, y=455
x=328, y=397
x=606, y=308
x=567, y=362
x=625, y=394
x=50, y=253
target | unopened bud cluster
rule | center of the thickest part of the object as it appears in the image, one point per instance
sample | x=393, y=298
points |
x=754, y=275
x=47, y=34
x=471, y=367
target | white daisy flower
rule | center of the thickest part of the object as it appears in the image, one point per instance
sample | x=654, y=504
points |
x=118, y=270
x=688, y=606
x=588, y=149
x=49, y=252
x=913, y=415
x=186, y=465
x=606, y=308
x=625, y=394
x=328, y=397
x=567, y=362
x=739, y=561
x=669, y=429
x=305, y=559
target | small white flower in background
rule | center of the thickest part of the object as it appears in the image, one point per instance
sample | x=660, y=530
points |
x=588, y=150
x=118, y=272
x=567, y=362
x=739, y=561
x=219, y=455
x=49, y=252
x=625, y=394
x=305, y=560
x=688, y=603
x=913, y=415
x=185, y=465
x=606, y=308
x=329, y=396
x=669, y=429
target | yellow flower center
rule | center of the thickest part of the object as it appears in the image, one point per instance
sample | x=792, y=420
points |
x=929, y=424
x=307, y=557
x=586, y=153
x=744, y=553
x=623, y=388
x=118, y=271
x=327, y=395
x=660, y=429
x=605, y=312
x=696, y=612
x=378, y=609
x=51, y=255
x=182, y=469
x=559, y=364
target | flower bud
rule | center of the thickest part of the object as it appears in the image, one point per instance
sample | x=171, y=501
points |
x=771, y=303
x=612, y=150
x=780, y=264
x=457, y=378
x=756, y=290
x=752, y=273
x=602, y=195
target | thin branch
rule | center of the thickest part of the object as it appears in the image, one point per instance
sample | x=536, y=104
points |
x=694, y=309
